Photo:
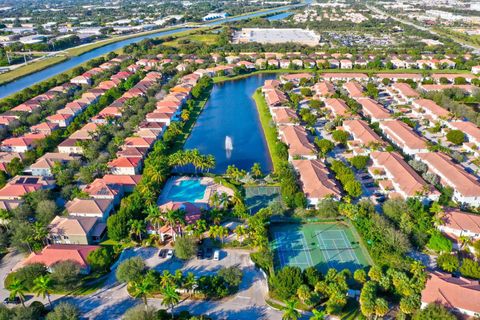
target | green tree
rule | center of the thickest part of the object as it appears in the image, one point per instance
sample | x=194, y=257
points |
x=360, y=276
x=256, y=170
x=359, y=162
x=317, y=315
x=289, y=310
x=170, y=297
x=448, y=262
x=64, y=311
x=286, y=282
x=456, y=137
x=141, y=289
x=185, y=247
x=433, y=311
x=100, y=259
x=17, y=289
x=43, y=287
x=340, y=136
x=324, y=145
x=353, y=188
x=66, y=274
x=470, y=268
x=141, y=313
x=130, y=270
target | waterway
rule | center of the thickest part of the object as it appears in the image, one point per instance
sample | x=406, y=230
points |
x=230, y=117
x=31, y=79
x=280, y=16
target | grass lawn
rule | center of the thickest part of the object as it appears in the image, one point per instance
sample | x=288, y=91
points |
x=269, y=130
x=207, y=39
x=187, y=129
x=30, y=68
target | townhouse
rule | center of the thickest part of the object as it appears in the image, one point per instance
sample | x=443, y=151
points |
x=45, y=164
x=373, y=110
x=298, y=142
x=458, y=294
x=402, y=93
x=316, y=181
x=403, y=137
x=323, y=89
x=346, y=76
x=284, y=116
x=429, y=110
x=364, y=138
x=398, y=179
x=457, y=223
x=96, y=208
x=466, y=188
x=337, y=108
x=354, y=89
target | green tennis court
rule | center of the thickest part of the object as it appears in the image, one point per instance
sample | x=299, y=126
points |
x=322, y=245
x=257, y=198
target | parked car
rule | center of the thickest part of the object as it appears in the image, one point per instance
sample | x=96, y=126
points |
x=200, y=253
x=208, y=253
x=15, y=300
x=169, y=254
x=216, y=255
x=162, y=253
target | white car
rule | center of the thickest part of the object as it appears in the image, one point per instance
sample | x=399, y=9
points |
x=169, y=254
x=216, y=255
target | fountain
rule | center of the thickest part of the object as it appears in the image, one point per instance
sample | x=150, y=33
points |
x=228, y=146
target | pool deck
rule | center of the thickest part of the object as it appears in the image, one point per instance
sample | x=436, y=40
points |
x=209, y=183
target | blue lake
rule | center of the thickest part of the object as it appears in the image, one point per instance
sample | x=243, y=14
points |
x=231, y=112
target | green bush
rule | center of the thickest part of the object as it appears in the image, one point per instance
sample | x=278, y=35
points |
x=439, y=243
x=185, y=247
x=448, y=262
x=470, y=268
x=285, y=283
x=26, y=274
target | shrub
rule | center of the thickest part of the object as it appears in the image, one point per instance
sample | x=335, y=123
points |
x=66, y=275
x=233, y=276
x=64, y=311
x=433, y=311
x=439, y=243
x=286, y=282
x=456, y=137
x=359, y=162
x=100, y=259
x=130, y=270
x=448, y=262
x=470, y=269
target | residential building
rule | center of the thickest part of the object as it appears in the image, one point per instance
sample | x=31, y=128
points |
x=76, y=230
x=403, y=137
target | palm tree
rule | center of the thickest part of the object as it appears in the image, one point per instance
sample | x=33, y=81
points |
x=240, y=231
x=170, y=297
x=289, y=311
x=218, y=232
x=154, y=216
x=224, y=200
x=17, y=289
x=317, y=315
x=210, y=162
x=189, y=282
x=214, y=200
x=43, y=286
x=137, y=227
x=40, y=232
x=167, y=278
x=256, y=170
x=141, y=289
x=172, y=218
x=464, y=241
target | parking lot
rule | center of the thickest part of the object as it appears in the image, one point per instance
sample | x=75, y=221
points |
x=199, y=267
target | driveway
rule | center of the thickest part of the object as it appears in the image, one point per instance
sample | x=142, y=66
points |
x=7, y=263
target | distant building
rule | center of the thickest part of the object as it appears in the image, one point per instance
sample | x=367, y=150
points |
x=214, y=16
x=274, y=36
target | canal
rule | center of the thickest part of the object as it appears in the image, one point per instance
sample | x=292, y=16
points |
x=229, y=127
x=29, y=80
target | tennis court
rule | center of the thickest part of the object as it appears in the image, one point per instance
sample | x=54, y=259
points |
x=257, y=198
x=322, y=245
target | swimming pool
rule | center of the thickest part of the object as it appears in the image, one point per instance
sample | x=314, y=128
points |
x=189, y=190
